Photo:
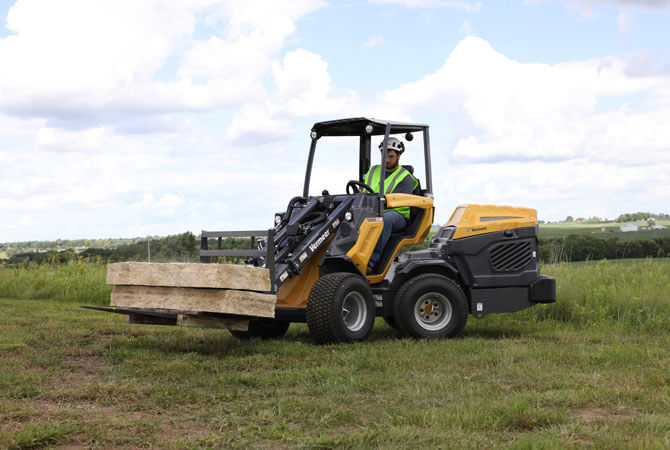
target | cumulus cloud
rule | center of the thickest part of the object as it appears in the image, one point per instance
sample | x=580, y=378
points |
x=650, y=4
x=174, y=124
x=254, y=125
x=58, y=139
x=81, y=64
x=303, y=88
x=166, y=205
x=470, y=7
x=304, y=85
x=503, y=109
x=543, y=134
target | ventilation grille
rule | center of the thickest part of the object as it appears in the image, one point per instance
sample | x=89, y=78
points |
x=510, y=257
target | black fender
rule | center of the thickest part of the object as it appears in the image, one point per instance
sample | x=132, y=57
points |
x=414, y=267
x=410, y=268
x=341, y=263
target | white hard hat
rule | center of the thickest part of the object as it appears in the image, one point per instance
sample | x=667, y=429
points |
x=394, y=144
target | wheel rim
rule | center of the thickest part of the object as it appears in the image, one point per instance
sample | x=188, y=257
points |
x=354, y=311
x=432, y=311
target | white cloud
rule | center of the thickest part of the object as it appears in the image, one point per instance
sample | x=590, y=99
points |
x=58, y=139
x=303, y=88
x=166, y=205
x=537, y=135
x=304, y=85
x=253, y=125
x=470, y=7
x=197, y=117
x=651, y=4
x=502, y=109
x=76, y=58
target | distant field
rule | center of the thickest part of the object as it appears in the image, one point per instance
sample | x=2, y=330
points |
x=595, y=230
x=591, y=370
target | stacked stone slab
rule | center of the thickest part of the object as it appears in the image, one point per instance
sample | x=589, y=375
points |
x=202, y=295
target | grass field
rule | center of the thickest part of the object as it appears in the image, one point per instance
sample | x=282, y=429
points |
x=591, y=370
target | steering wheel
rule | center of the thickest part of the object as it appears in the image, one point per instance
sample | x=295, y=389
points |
x=358, y=185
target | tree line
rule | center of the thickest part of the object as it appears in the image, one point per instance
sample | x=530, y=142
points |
x=634, y=217
x=581, y=247
x=174, y=248
x=628, y=217
x=185, y=247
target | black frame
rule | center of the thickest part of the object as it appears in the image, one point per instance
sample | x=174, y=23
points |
x=206, y=254
x=357, y=127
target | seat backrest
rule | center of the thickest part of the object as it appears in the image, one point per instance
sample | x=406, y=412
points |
x=417, y=190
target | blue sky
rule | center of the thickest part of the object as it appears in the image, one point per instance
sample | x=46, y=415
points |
x=123, y=118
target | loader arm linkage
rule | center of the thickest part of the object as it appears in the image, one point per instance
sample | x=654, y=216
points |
x=305, y=228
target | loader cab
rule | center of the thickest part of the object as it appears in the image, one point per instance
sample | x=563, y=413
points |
x=352, y=246
x=365, y=131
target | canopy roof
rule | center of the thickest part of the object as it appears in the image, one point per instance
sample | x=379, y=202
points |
x=356, y=127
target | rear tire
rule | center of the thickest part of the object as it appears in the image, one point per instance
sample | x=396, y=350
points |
x=430, y=306
x=340, y=309
x=263, y=329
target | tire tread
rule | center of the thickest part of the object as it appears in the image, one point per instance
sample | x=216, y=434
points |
x=321, y=308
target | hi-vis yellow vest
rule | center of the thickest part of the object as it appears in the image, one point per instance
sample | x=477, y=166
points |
x=392, y=180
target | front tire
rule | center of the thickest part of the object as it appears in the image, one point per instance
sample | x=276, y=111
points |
x=340, y=309
x=430, y=306
x=263, y=329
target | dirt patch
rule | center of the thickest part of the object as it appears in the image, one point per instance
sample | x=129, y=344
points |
x=86, y=364
x=184, y=432
x=589, y=415
x=51, y=407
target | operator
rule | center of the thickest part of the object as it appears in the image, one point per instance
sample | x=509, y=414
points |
x=398, y=180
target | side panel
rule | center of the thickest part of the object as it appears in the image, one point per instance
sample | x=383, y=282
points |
x=368, y=235
x=473, y=220
x=499, y=300
x=508, y=258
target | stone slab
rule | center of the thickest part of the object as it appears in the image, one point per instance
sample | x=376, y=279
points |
x=195, y=275
x=225, y=301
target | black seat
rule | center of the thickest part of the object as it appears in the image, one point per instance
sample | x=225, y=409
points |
x=417, y=189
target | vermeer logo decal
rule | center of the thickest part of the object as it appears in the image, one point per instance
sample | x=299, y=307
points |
x=313, y=246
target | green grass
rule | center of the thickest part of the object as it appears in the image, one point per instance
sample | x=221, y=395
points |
x=76, y=281
x=591, y=370
x=631, y=293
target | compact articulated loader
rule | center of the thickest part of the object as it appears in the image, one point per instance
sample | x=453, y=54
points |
x=484, y=260
x=314, y=262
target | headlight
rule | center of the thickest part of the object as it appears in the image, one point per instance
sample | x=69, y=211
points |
x=313, y=135
x=277, y=219
x=348, y=216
